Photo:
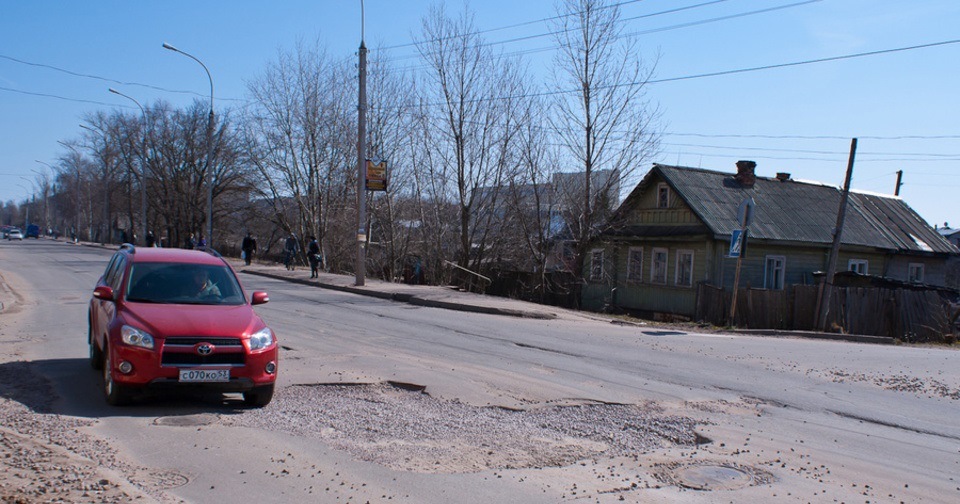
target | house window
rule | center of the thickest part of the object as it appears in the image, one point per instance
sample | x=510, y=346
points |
x=658, y=268
x=684, y=274
x=663, y=196
x=635, y=264
x=858, y=266
x=596, y=265
x=774, y=272
x=915, y=272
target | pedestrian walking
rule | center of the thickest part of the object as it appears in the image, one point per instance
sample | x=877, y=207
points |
x=315, y=257
x=247, y=247
x=191, y=242
x=151, y=239
x=290, y=249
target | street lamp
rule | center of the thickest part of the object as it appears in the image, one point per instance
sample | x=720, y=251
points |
x=209, y=169
x=33, y=201
x=143, y=167
x=76, y=232
x=44, y=180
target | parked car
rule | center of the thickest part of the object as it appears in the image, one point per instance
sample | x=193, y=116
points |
x=5, y=229
x=33, y=231
x=14, y=234
x=174, y=318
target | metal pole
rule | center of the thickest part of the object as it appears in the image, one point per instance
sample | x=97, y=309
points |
x=143, y=168
x=826, y=286
x=209, y=167
x=361, y=162
x=76, y=232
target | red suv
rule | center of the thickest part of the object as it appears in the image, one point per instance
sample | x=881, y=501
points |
x=172, y=318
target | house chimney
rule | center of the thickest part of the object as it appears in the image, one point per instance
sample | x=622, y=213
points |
x=745, y=173
x=783, y=176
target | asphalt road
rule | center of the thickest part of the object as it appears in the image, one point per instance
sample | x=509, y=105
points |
x=781, y=419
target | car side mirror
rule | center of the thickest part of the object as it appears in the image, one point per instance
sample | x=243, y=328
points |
x=103, y=292
x=259, y=297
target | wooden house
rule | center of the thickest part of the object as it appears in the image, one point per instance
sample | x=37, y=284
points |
x=673, y=232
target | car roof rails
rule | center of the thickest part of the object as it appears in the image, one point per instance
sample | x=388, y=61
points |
x=129, y=246
x=210, y=251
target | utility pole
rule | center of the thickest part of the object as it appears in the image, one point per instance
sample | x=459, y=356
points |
x=826, y=286
x=361, y=162
x=896, y=192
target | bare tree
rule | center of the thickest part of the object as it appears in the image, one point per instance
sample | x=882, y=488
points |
x=390, y=122
x=297, y=137
x=603, y=119
x=472, y=147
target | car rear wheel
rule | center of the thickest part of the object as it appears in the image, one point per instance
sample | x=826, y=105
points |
x=259, y=396
x=115, y=394
x=96, y=355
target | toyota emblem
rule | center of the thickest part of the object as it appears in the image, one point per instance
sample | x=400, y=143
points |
x=204, y=349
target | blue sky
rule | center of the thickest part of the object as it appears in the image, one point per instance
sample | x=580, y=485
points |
x=903, y=106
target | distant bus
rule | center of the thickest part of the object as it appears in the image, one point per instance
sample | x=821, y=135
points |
x=33, y=231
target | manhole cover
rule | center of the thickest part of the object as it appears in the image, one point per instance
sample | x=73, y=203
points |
x=186, y=420
x=713, y=477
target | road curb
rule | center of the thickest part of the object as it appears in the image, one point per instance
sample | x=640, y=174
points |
x=411, y=298
x=857, y=338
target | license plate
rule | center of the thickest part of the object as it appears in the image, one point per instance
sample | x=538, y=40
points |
x=204, y=375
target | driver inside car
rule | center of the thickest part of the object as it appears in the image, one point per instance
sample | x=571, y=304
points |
x=202, y=284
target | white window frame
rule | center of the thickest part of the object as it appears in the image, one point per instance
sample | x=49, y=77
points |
x=635, y=268
x=915, y=272
x=596, y=265
x=676, y=274
x=778, y=282
x=653, y=265
x=663, y=188
x=861, y=266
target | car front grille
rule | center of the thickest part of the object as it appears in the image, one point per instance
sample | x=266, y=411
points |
x=180, y=352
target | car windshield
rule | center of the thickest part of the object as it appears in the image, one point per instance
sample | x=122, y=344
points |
x=179, y=283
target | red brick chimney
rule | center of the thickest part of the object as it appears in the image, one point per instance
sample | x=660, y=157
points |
x=745, y=173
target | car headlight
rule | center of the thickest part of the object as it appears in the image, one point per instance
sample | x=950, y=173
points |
x=261, y=339
x=136, y=337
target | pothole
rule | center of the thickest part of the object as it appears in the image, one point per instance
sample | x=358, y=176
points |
x=186, y=420
x=400, y=426
x=709, y=476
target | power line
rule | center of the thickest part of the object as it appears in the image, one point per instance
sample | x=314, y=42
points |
x=805, y=151
x=97, y=77
x=797, y=63
x=816, y=137
x=64, y=98
x=517, y=25
x=655, y=30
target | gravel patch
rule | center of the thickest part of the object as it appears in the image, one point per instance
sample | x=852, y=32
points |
x=929, y=387
x=412, y=431
x=45, y=457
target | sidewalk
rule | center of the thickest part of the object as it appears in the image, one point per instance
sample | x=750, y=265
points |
x=421, y=295
x=452, y=299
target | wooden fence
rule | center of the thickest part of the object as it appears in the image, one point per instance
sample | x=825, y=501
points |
x=904, y=314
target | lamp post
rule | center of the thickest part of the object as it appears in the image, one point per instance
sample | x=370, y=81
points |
x=33, y=201
x=106, y=236
x=45, y=187
x=361, y=162
x=209, y=170
x=143, y=167
x=76, y=231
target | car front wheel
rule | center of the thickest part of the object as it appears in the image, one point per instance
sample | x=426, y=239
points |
x=96, y=355
x=115, y=394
